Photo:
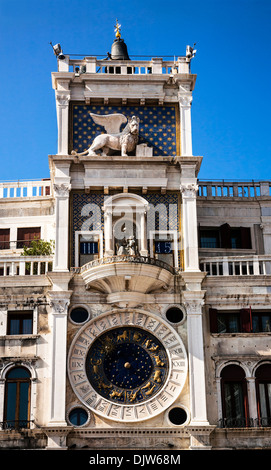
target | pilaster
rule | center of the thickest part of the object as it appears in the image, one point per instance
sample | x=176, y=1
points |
x=62, y=111
x=59, y=299
x=185, y=101
x=62, y=190
x=193, y=299
x=189, y=190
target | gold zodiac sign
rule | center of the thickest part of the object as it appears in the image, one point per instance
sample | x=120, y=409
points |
x=115, y=394
x=151, y=388
x=133, y=396
x=103, y=385
x=154, y=348
x=147, y=385
x=96, y=365
x=149, y=392
x=123, y=337
x=137, y=336
x=157, y=376
x=158, y=361
x=108, y=344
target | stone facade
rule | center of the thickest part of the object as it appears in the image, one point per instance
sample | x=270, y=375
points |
x=149, y=264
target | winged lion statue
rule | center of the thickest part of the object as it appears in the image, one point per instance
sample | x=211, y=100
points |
x=125, y=141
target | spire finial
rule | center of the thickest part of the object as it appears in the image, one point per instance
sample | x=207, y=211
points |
x=117, y=29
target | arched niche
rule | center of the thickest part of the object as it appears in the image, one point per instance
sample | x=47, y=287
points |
x=125, y=225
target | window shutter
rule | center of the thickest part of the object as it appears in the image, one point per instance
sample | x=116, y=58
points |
x=4, y=238
x=225, y=233
x=245, y=237
x=246, y=321
x=213, y=320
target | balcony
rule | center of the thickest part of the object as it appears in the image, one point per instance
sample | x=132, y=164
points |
x=247, y=265
x=244, y=422
x=133, y=276
x=25, y=265
x=19, y=189
x=234, y=189
x=155, y=66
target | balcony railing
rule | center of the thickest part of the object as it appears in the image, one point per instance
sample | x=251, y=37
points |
x=15, y=244
x=155, y=66
x=236, y=265
x=244, y=422
x=15, y=424
x=125, y=259
x=25, y=265
x=234, y=189
x=19, y=189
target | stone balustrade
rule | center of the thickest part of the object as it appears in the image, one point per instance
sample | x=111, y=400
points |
x=247, y=265
x=25, y=265
x=234, y=189
x=156, y=65
x=18, y=189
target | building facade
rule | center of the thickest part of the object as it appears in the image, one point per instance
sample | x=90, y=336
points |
x=141, y=320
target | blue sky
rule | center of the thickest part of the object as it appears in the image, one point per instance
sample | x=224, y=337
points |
x=232, y=97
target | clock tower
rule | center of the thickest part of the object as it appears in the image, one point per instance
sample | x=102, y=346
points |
x=126, y=297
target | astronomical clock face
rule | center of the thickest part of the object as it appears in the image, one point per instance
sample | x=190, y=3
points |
x=127, y=366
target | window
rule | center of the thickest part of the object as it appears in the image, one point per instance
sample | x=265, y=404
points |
x=17, y=398
x=26, y=235
x=20, y=323
x=89, y=248
x=225, y=237
x=164, y=250
x=177, y=416
x=230, y=321
x=261, y=322
x=234, y=397
x=174, y=315
x=263, y=388
x=4, y=238
x=79, y=315
x=78, y=416
x=209, y=239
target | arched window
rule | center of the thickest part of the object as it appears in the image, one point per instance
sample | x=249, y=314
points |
x=17, y=398
x=234, y=397
x=263, y=388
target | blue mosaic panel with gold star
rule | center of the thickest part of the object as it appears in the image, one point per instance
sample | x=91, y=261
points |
x=158, y=126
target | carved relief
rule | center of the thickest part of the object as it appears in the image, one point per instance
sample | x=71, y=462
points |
x=189, y=189
x=62, y=190
x=124, y=141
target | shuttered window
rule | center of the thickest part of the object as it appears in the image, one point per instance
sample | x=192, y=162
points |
x=26, y=235
x=4, y=238
x=244, y=320
x=225, y=237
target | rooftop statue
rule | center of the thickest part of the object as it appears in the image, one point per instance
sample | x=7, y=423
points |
x=124, y=141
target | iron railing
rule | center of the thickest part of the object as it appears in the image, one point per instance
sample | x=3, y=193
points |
x=244, y=422
x=15, y=424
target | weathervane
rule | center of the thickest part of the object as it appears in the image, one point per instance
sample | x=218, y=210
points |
x=117, y=29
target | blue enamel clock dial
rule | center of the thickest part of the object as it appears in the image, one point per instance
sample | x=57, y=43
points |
x=127, y=365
